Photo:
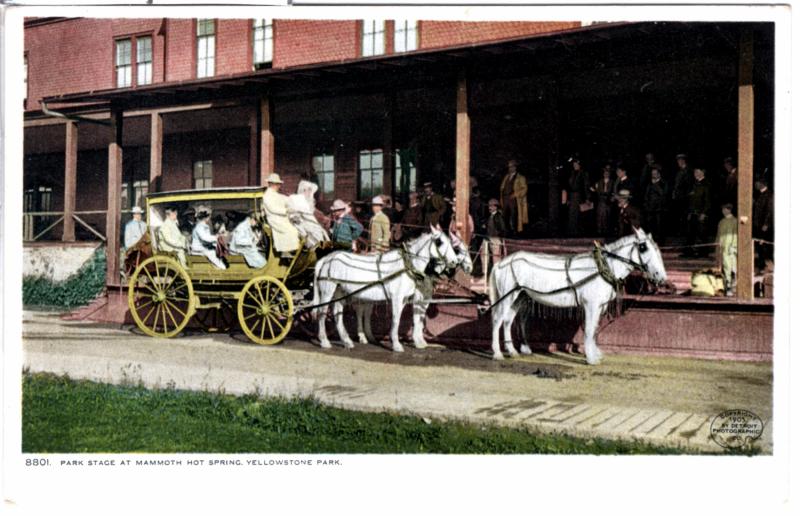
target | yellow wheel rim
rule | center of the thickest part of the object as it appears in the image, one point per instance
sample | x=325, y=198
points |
x=160, y=297
x=265, y=310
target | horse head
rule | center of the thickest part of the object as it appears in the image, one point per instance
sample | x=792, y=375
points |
x=648, y=255
x=443, y=255
x=462, y=252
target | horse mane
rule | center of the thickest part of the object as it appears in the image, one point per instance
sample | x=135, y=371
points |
x=413, y=243
x=622, y=242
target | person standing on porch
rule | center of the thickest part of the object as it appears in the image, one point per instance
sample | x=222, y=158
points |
x=495, y=231
x=412, y=222
x=285, y=237
x=731, y=182
x=680, y=192
x=604, y=190
x=655, y=203
x=345, y=229
x=629, y=217
x=379, y=227
x=514, y=199
x=433, y=206
x=727, y=242
x=135, y=228
x=577, y=192
x=699, y=209
x=763, y=216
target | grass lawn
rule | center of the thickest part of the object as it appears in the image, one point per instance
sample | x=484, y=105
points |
x=65, y=416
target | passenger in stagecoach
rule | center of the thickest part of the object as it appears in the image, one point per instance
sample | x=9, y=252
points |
x=433, y=206
x=396, y=218
x=170, y=238
x=379, y=227
x=135, y=228
x=629, y=218
x=494, y=230
x=204, y=241
x=244, y=242
x=301, y=212
x=285, y=237
x=345, y=229
x=514, y=198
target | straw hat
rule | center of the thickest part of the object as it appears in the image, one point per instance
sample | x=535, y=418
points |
x=338, y=205
x=377, y=200
x=274, y=179
x=137, y=209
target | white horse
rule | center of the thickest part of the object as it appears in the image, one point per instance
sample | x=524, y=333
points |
x=587, y=280
x=390, y=276
x=423, y=292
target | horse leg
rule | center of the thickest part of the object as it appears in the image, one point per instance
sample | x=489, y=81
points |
x=508, y=340
x=368, y=311
x=322, y=316
x=338, y=313
x=397, y=310
x=524, y=314
x=591, y=322
x=499, y=315
x=419, y=311
x=361, y=310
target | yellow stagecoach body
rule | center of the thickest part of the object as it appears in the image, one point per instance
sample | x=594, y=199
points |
x=164, y=296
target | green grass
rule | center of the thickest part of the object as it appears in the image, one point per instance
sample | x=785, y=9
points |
x=65, y=416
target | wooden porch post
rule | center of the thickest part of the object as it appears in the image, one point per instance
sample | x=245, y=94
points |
x=156, y=150
x=113, y=214
x=267, y=140
x=70, y=179
x=744, y=269
x=462, y=157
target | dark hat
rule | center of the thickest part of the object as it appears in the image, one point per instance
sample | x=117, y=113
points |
x=427, y=184
x=575, y=158
x=729, y=160
x=681, y=156
x=621, y=165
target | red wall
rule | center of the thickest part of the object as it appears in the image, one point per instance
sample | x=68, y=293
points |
x=74, y=55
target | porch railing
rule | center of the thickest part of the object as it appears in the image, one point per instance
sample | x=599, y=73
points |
x=32, y=233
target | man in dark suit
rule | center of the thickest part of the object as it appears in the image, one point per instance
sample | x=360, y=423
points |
x=699, y=209
x=629, y=217
x=763, y=229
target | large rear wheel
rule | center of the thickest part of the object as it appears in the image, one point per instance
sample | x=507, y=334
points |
x=160, y=297
x=265, y=310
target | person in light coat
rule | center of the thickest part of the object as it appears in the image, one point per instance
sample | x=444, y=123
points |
x=244, y=241
x=135, y=228
x=170, y=238
x=379, y=234
x=285, y=237
x=204, y=241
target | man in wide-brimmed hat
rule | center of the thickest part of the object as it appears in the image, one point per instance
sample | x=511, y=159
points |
x=135, y=228
x=285, y=238
x=170, y=238
x=514, y=197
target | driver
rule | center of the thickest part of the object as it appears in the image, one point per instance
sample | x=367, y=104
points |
x=244, y=241
x=170, y=238
x=284, y=235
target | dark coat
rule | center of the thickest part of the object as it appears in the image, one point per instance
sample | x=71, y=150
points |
x=629, y=218
x=656, y=197
x=433, y=209
x=764, y=212
x=700, y=198
x=578, y=183
x=625, y=184
x=495, y=225
x=683, y=184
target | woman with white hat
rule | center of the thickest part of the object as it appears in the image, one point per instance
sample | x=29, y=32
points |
x=204, y=241
x=285, y=237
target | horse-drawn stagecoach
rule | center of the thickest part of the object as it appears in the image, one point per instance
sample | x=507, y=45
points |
x=164, y=295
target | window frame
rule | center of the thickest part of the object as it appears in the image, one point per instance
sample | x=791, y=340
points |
x=405, y=32
x=204, y=177
x=259, y=65
x=196, y=49
x=137, y=39
x=374, y=172
x=133, y=39
x=26, y=72
x=373, y=35
x=324, y=172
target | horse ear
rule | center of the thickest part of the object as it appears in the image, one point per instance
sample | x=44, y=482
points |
x=639, y=232
x=435, y=229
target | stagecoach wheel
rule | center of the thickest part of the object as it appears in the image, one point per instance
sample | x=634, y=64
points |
x=160, y=297
x=217, y=320
x=265, y=310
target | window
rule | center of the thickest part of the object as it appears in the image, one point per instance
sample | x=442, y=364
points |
x=372, y=33
x=144, y=60
x=323, y=166
x=25, y=77
x=405, y=171
x=45, y=198
x=405, y=35
x=370, y=171
x=202, y=174
x=123, y=63
x=205, y=48
x=133, y=194
x=262, y=42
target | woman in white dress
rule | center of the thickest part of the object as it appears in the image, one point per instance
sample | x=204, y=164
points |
x=204, y=241
x=244, y=241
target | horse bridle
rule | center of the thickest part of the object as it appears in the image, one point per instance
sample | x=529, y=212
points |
x=640, y=247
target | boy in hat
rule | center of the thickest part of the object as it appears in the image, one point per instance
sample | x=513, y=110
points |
x=346, y=229
x=379, y=233
x=285, y=237
x=170, y=238
x=727, y=241
x=135, y=228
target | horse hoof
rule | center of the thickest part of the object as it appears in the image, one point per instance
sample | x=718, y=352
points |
x=349, y=345
x=362, y=340
x=592, y=360
x=397, y=349
x=498, y=356
x=525, y=350
x=325, y=344
x=513, y=354
x=421, y=345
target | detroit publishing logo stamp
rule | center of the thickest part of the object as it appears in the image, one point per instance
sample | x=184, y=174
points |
x=736, y=428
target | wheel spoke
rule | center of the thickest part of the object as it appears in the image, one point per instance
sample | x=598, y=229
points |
x=263, y=323
x=254, y=298
x=269, y=320
x=261, y=296
x=175, y=290
x=250, y=306
x=253, y=329
x=250, y=316
x=144, y=319
x=152, y=281
x=139, y=307
x=169, y=312
x=173, y=305
x=155, y=320
x=164, y=317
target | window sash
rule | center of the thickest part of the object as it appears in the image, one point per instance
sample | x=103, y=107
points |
x=372, y=43
x=144, y=60
x=205, y=56
x=370, y=173
x=124, y=67
x=203, y=172
x=323, y=165
x=262, y=41
x=205, y=27
x=405, y=35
